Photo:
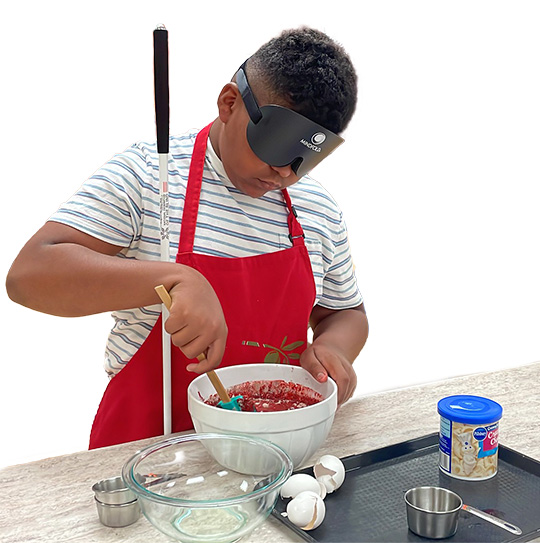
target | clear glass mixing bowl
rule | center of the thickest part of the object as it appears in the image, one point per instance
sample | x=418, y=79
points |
x=208, y=487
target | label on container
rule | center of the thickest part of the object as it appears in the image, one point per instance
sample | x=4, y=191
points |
x=468, y=451
x=489, y=443
x=445, y=444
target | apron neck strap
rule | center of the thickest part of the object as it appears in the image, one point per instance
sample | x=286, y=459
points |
x=296, y=234
x=193, y=194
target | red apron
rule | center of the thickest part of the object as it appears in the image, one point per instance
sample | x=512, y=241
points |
x=266, y=299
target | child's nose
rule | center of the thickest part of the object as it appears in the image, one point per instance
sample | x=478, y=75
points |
x=283, y=171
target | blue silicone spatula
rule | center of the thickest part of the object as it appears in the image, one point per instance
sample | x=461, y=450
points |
x=226, y=402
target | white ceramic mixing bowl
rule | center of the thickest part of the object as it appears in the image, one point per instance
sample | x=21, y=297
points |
x=300, y=432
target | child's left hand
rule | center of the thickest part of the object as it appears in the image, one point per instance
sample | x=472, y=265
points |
x=323, y=361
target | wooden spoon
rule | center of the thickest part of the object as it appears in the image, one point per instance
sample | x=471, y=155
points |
x=214, y=379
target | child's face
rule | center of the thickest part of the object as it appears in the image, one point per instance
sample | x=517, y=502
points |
x=246, y=171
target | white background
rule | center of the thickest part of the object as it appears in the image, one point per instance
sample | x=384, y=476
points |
x=438, y=178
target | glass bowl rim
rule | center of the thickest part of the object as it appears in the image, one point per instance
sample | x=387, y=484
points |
x=142, y=492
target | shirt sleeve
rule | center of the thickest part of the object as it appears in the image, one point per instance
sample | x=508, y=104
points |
x=340, y=288
x=108, y=205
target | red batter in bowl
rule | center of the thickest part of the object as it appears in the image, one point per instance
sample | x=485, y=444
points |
x=275, y=395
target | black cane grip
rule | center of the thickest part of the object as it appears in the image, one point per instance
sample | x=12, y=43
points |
x=161, y=88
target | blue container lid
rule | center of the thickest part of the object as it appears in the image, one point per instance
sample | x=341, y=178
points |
x=469, y=409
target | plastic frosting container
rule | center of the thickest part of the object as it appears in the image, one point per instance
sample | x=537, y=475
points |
x=469, y=437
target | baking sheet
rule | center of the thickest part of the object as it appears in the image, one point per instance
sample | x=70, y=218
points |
x=369, y=506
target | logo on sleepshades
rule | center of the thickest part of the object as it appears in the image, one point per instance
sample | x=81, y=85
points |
x=316, y=140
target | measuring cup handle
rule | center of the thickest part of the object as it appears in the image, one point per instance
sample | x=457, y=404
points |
x=491, y=518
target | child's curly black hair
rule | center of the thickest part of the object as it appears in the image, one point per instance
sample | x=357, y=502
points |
x=312, y=73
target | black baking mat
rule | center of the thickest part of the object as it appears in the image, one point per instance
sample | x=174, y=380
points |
x=369, y=506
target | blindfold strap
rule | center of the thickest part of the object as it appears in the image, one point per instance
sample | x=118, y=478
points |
x=248, y=97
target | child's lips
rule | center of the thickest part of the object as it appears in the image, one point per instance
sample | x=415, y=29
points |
x=270, y=185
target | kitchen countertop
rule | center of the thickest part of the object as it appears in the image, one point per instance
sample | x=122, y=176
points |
x=51, y=500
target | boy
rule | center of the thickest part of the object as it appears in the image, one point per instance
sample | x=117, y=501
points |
x=259, y=250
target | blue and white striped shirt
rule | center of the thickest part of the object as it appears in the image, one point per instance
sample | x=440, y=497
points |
x=119, y=204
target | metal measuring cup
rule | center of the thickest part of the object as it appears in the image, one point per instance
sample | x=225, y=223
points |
x=433, y=512
x=117, y=506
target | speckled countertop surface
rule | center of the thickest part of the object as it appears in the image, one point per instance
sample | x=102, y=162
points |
x=51, y=500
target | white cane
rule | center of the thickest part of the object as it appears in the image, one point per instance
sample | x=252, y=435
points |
x=161, y=95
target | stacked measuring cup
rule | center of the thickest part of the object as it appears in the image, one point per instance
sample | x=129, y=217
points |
x=117, y=506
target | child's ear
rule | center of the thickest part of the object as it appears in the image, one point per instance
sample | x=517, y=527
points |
x=226, y=100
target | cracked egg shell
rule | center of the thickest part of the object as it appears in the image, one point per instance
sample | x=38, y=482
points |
x=330, y=471
x=307, y=510
x=300, y=482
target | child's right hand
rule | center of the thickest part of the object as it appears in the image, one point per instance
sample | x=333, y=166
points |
x=196, y=322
